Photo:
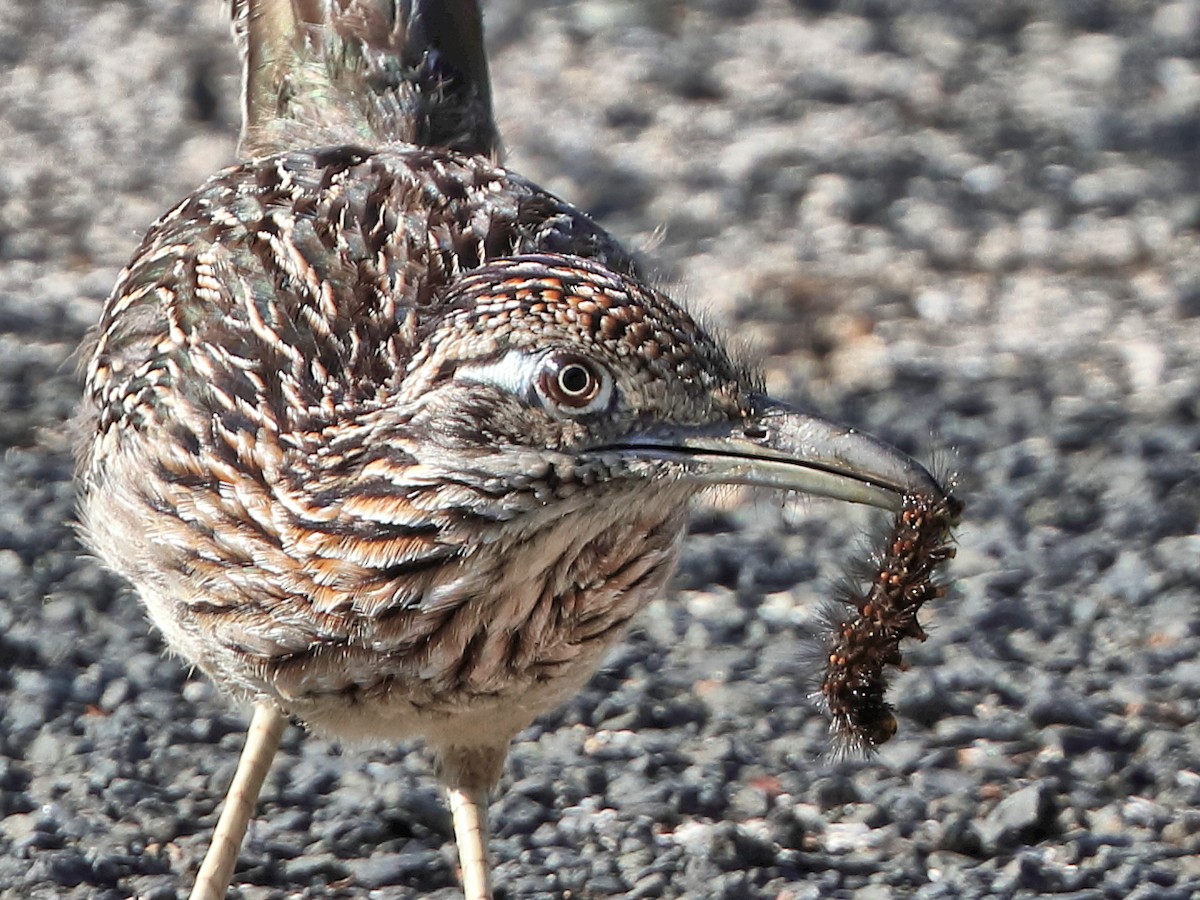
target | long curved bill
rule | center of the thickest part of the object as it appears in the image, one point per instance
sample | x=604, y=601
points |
x=780, y=447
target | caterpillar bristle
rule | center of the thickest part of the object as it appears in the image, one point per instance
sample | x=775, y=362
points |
x=863, y=626
x=845, y=592
x=818, y=639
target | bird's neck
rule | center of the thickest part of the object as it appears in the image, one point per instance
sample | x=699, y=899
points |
x=483, y=613
x=437, y=543
x=565, y=585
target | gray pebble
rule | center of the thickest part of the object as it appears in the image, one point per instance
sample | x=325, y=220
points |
x=1018, y=817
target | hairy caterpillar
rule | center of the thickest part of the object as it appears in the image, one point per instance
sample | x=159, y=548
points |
x=863, y=635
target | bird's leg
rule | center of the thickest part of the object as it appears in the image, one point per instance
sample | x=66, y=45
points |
x=469, y=808
x=469, y=774
x=262, y=740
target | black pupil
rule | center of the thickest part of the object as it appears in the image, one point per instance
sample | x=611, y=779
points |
x=574, y=379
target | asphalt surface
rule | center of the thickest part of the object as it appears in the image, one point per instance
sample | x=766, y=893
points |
x=969, y=228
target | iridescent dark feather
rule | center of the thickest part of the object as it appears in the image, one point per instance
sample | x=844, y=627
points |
x=364, y=71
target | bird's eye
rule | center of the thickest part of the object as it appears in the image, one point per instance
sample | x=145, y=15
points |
x=574, y=385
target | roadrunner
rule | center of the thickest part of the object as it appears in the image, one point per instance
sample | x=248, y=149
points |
x=393, y=442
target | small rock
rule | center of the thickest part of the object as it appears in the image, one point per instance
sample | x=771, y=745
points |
x=395, y=869
x=1017, y=818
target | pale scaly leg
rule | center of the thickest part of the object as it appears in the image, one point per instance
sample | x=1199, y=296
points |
x=262, y=740
x=469, y=773
x=470, y=811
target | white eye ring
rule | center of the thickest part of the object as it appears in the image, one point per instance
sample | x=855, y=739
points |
x=573, y=384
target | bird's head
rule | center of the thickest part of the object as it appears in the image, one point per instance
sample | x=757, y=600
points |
x=558, y=375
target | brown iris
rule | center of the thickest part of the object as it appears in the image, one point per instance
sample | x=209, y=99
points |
x=573, y=383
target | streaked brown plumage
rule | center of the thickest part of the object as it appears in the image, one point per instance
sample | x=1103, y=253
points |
x=391, y=440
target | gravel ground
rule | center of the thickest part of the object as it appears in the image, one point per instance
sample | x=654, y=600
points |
x=971, y=228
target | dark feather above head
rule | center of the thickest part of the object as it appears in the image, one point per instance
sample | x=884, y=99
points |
x=329, y=71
